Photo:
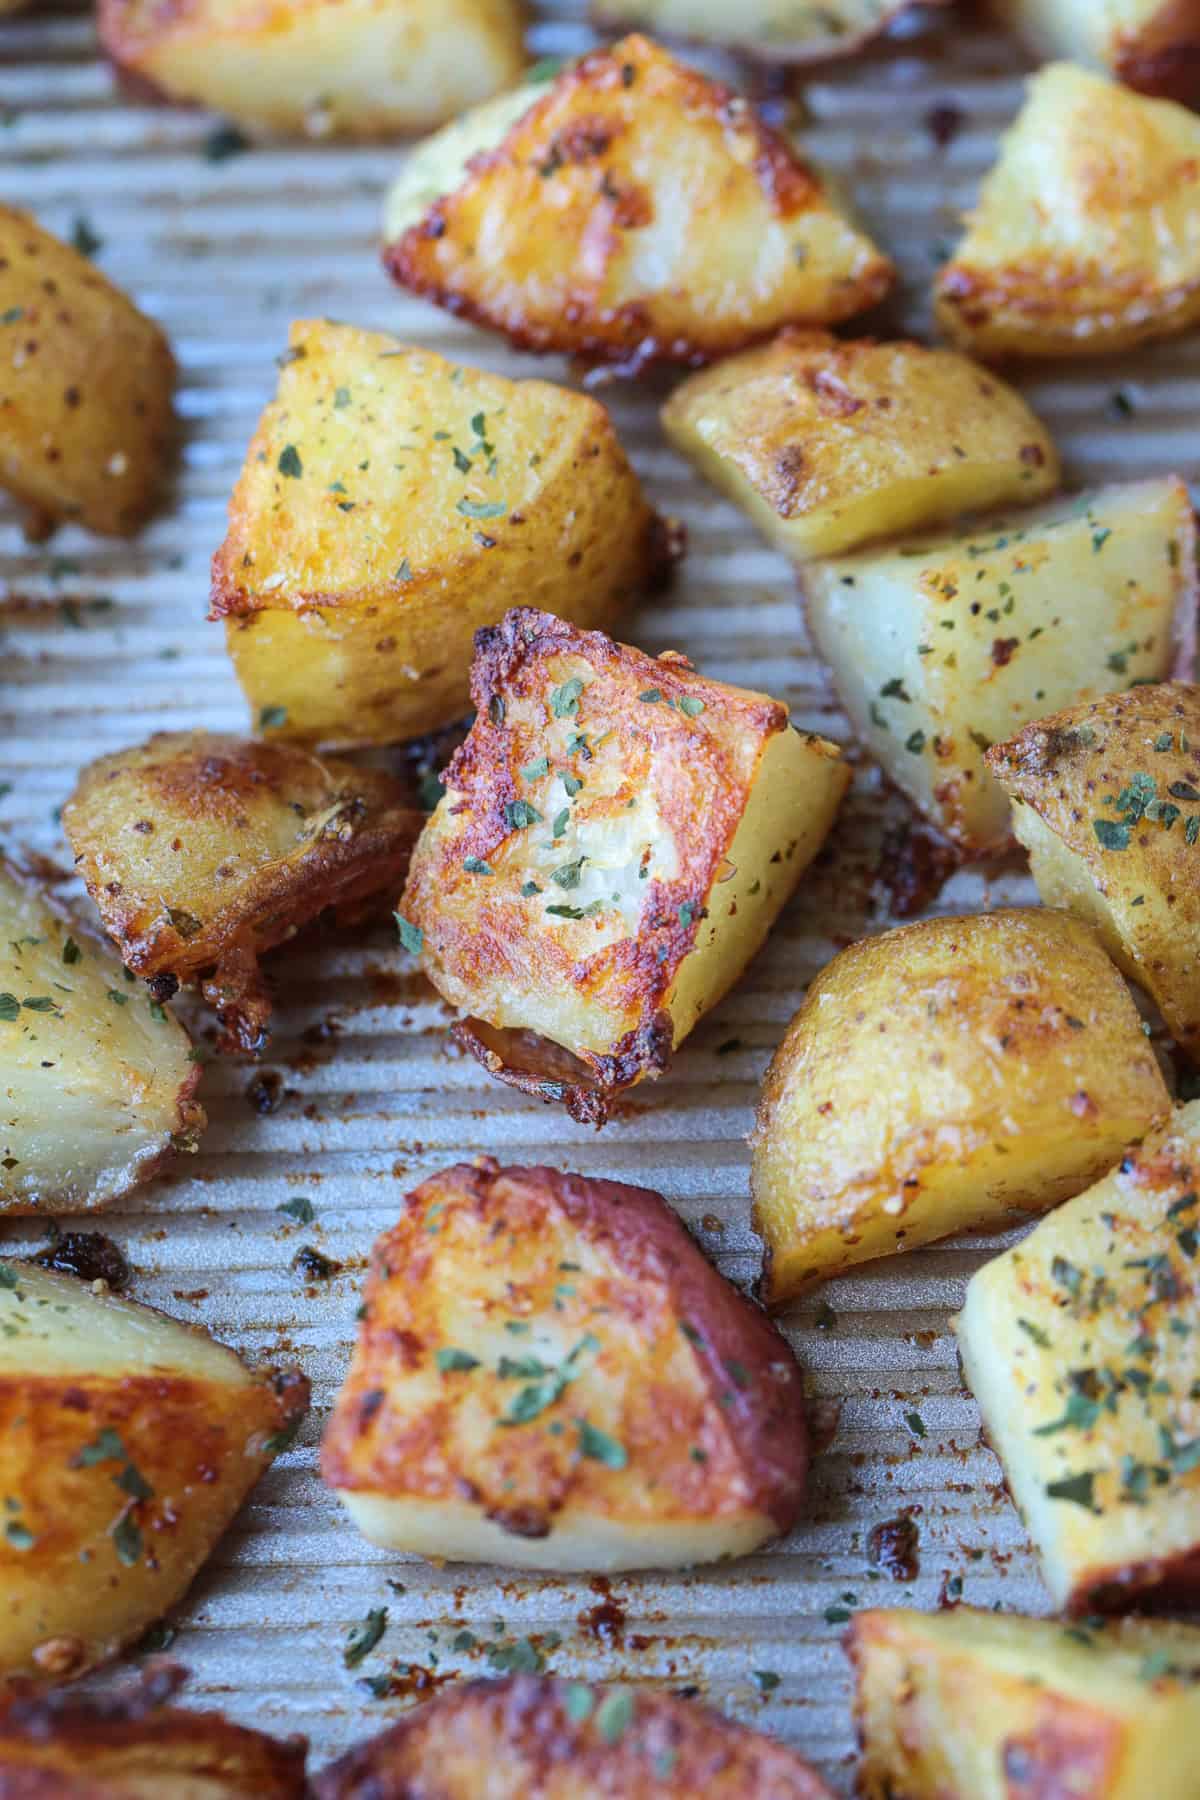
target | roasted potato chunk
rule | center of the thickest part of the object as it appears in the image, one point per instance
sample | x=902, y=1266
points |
x=972, y=1705
x=828, y=444
x=97, y=1083
x=86, y=383
x=133, y=1745
x=127, y=1443
x=617, y=837
x=325, y=68
x=1106, y=799
x=1006, y=1068
x=1152, y=45
x=1080, y=1345
x=530, y=1738
x=390, y=505
x=941, y=648
x=202, y=851
x=1083, y=240
x=785, y=31
x=630, y=210
x=635, y=1412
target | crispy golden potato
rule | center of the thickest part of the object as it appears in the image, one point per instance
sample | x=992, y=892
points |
x=133, y=1745
x=617, y=837
x=941, y=648
x=828, y=445
x=127, y=1443
x=97, y=1083
x=630, y=210
x=1081, y=1346
x=326, y=68
x=784, y=31
x=533, y=1738
x=1005, y=1067
x=1084, y=239
x=86, y=382
x=972, y=1705
x=550, y=1375
x=1106, y=799
x=202, y=851
x=391, y=504
x=1152, y=45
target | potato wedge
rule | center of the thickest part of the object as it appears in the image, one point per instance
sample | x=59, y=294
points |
x=1106, y=799
x=86, y=384
x=97, y=1083
x=1080, y=1345
x=630, y=210
x=127, y=1443
x=323, y=68
x=617, y=837
x=1151, y=45
x=1083, y=240
x=775, y=31
x=941, y=648
x=134, y=1745
x=1006, y=1068
x=202, y=851
x=972, y=1705
x=533, y=1738
x=636, y=1413
x=391, y=504
x=829, y=444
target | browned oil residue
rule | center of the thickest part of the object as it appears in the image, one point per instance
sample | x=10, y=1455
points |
x=88, y=1254
x=893, y=1548
x=313, y=1266
x=914, y=866
x=408, y=1681
x=944, y=122
x=265, y=1092
x=605, y=1621
x=824, y=1417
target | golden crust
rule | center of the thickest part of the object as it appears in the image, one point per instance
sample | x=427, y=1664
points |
x=202, y=851
x=651, y=1416
x=527, y=1738
x=637, y=211
x=760, y=28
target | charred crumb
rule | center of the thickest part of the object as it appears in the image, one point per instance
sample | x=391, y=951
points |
x=89, y=1255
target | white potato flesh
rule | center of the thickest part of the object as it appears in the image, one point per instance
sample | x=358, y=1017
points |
x=775, y=30
x=439, y=165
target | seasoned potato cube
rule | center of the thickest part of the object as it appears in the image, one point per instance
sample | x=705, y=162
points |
x=530, y=1737
x=328, y=68
x=1006, y=1068
x=617, y=837
x=791, y=31
x=1106, y=799
x=1084, y=238
x=133, y=1745
x=940, y=648
x=1080, y=1345
x=971, y=1705
x=1152, y=45
x=127, y=1443
x=390, y=505
x=96, y=1082
x=828, y=444
x=202, y=851
x=637, y=1413
x=86, y=380
x=630, y=210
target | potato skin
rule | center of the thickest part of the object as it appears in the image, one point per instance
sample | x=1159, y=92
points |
x=1099, y=254
x=1104, y=796
x=1006, y=1066
x=1151, y=45
x=617, y=837
x=683, y=1407
x=972, y=1705
x=86, y=382
x=203, y=850
x=351, y=597
x=830, y=444
x=761, y=28
x=637, y=212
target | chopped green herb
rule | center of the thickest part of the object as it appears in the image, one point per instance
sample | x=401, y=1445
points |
x=363, y=1637
x=289, y=462
x=411, y=936
x=451, y=1360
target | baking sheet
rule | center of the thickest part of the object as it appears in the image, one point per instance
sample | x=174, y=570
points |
x=102, y=643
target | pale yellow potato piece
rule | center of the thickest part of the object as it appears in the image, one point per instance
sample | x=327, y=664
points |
x=127, y=1443
x=829, y=444
x=940, y=648
x=1086, y=236
x=943, y=1078
x=617, y=837
x=390, y=505
x=791, y=31
x=325, y=68
x=1152, y=45
x=1080, y=1345
x=972, y=1705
